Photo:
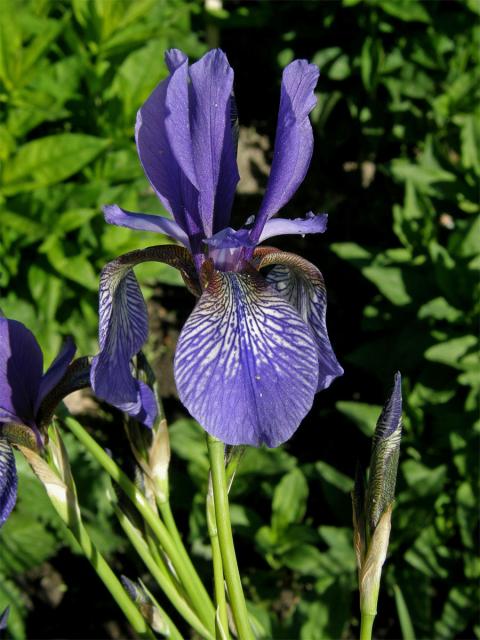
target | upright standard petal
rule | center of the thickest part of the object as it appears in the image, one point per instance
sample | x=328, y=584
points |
x=8, y=480
x=178, y=194
x=56, y=371
x=246, y=364
x=293, y=141
x=145, y=222
x=212, y=138
x=21, y=368
x=302, y=284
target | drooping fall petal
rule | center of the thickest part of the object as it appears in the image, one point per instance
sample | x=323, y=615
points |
x=246, y=364
x=21, y=368
x=8, y=480
x=123, y=327
x=302, y=284
x=56, y=371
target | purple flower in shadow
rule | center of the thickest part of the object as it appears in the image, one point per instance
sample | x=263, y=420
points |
x=255, y=350
x=25, y=394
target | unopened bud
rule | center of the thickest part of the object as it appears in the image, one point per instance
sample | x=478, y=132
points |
x=143, y=599
x=371, y=570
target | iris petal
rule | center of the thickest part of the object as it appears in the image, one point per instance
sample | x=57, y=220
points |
x=246, y=365
x=145, y=222
x=123, y=325
x=8, y=480
x=21, y=368
x=299, y=226
x=144, y=409
x=293, y=141
x=122, y=332
x=177, y=194
x=56, y=371
x=302, y=284
x=199, y=130
x=212, y=138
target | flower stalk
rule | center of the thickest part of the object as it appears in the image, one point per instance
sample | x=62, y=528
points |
x=216, y=450
x=60, y=487
x=191, y=582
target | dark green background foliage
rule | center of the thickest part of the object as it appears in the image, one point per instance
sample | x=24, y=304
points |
x=396, y=166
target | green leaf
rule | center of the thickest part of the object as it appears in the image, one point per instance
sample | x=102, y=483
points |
x=340, y=69
x=470, y=137
x=455, y=615
x=364, y=415
x=439, y=309
x=408, y=632
x=334, y=477
x=11, y=596
x=73, y=267
x=305, y=559
x=406, y=10
x=134, y=80
x=424, y=554
x=422, y=480
x=460, y=353
x=289, y=500
x=353, y=253
x=48, y=160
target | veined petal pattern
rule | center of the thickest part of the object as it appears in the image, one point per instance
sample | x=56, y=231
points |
x=8, y=479
x=302, y=284
x=246, y=364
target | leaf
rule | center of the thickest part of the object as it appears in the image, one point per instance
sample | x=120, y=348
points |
x=340, y=69
x=405, y=620
x=439, y=309
x=305, y=559
x=422, y=480
x=334, y=477
x=460, y=353
x=455, y=615
x=48, y=160
x=74, y=267
x=470, y=137
x=364, y=415
x=289, y=500
x=353, y=253
x=406, y=10
x=424, y=554
x=11, y=596
x=134, y=80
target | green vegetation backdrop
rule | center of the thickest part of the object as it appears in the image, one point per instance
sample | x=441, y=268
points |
x=396, y=166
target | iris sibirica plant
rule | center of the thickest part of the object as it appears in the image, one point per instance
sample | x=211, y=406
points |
x=249, y=360
x=28, y=398
x=255, y=350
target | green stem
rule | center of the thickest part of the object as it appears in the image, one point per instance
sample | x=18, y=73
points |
x=216, y=451
x=112, y=583
x=164, y=581
x=169, y=520
x=191, y=582
x=218, y=575
x=366, y=625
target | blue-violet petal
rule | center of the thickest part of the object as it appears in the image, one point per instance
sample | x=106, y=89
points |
x=246, y=365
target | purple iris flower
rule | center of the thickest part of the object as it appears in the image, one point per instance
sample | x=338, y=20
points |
x=25, y=395
x=255, y=349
